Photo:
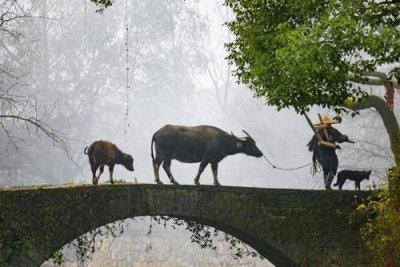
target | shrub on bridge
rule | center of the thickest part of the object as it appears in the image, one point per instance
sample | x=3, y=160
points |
x=381, y=230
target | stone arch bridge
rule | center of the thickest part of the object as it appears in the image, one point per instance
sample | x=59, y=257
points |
x=288, y=227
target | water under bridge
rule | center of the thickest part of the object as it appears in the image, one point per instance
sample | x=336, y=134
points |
x=288, y=227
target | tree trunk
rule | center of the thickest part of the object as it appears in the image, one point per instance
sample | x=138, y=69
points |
x=392, y=128
x=388, y=118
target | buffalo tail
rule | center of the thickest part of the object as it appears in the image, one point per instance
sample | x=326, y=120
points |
x=151, y=147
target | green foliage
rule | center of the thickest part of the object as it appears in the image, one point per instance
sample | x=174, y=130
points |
x=381, y=229
x=205, y=238
x=102, y=4
x=85, y=246
x=299, y=53
x=395, y=72
x=58, y=257
x=201, y=234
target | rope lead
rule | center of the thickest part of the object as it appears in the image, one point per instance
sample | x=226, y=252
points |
x=286, y=169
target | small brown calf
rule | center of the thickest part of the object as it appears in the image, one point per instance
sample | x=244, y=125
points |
x=102, y=153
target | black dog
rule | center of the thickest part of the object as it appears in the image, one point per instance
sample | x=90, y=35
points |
x=356, y=176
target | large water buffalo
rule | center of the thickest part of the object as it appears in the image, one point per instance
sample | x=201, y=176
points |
x=102, y=153
x=326, y=156
x=204, y=144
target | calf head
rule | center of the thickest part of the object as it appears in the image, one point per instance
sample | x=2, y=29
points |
x=248, y=146
x=127, y=161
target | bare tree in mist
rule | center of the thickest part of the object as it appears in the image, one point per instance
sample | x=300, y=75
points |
x=64, y=67
x=21, y=112
x=217, y=70
x=21, y=118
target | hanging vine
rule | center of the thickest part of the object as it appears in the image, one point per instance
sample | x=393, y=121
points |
x=126, y=126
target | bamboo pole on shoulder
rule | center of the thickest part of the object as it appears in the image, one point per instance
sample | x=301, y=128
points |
x=320, y=141
x=313, y=128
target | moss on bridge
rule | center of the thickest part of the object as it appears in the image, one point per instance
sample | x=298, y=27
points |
x=289, y=227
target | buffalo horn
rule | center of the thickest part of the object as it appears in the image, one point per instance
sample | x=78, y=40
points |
x=238, y=138
x=247, y=134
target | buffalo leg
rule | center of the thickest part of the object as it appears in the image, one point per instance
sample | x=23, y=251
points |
x=94, y=169
x=156, y=167
x=111, y=168
x=202, y=166
x=167, y=166
x=214, y=168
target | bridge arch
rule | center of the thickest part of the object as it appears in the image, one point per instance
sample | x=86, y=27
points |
x=288, y=227
x=278, y=258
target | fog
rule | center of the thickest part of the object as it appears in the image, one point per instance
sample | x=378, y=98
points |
x=91, y=77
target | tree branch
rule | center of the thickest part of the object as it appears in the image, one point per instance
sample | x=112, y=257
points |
x=40, y=126
x=374, y=78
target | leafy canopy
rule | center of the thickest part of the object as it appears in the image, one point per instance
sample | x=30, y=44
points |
x=298, y=53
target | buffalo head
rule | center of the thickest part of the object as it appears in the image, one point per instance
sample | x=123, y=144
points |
x=248, y=146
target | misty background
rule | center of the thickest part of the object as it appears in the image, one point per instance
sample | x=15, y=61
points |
x=123, y=74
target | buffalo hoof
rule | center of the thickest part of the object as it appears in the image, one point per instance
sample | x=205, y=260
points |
x=174, y=182
x=112, y=181
x=196, y=182
x=217, y=184
x=159, y=182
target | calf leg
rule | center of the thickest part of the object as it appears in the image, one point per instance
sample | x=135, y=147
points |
x=166, y=166
x=202, y=166
x=94, y=169
x=214, y=168
x=101, y=171
x=111, y=168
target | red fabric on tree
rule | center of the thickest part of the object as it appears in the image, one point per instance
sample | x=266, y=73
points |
x=389, y=95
